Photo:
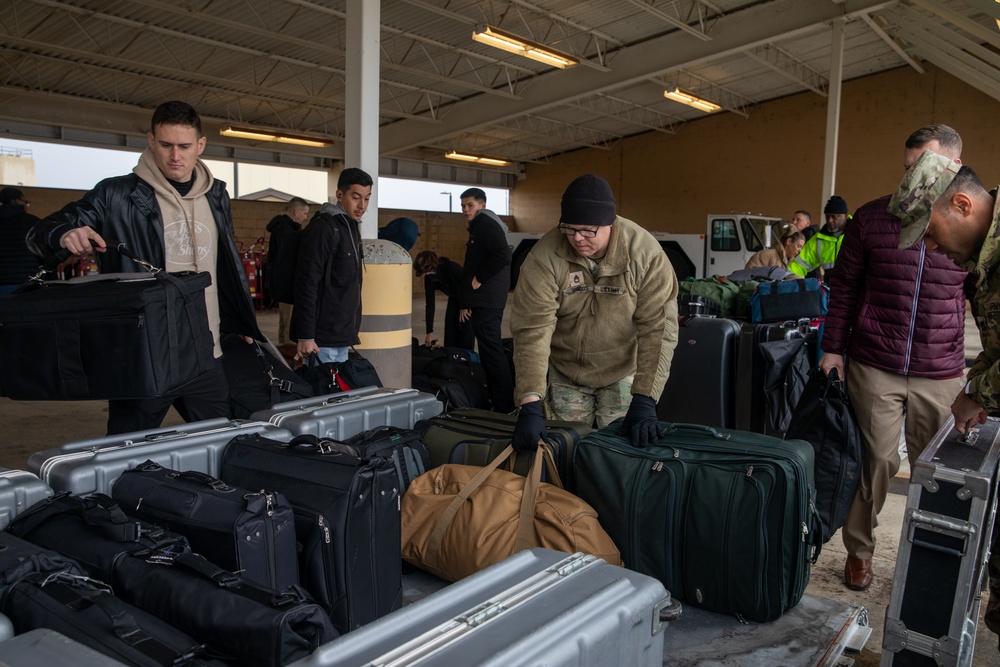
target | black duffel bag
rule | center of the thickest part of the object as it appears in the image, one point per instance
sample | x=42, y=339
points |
x=824, y=418
x=86, y=611
x=334, y=377
x=258, y=377
x=156, y=571
x=105, y=336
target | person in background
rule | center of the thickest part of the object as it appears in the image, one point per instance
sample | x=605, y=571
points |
x=483, y=293
x=17, y=263
x=594, y=321
x=401, y=231
x=327, y=315
x=282, y=251
x=819, y=254
x=944, y=205
x=173, y=213
x=781, y=255
x=802, y=220
x=898, y=316
x=442, y=274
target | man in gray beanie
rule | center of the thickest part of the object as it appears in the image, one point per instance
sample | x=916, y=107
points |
x=820, y=252
x=594, y=320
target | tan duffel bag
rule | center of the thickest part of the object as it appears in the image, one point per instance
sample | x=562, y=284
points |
x=458, y=519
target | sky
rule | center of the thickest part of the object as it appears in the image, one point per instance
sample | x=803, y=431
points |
x=79, y=168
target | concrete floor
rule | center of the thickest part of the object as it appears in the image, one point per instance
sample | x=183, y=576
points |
x=32, y=426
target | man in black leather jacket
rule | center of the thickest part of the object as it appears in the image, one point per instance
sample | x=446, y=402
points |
x=171, y=212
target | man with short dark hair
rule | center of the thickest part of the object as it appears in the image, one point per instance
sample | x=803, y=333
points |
x=803, y=221
x=17, y=263
x=327, y=315
x=282, y=251
x=171, y=212
x=899, y=316
x=483, y=293
x=945, y=205
x=594, y=321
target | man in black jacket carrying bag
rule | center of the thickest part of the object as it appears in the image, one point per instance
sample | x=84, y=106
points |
x=174, y=214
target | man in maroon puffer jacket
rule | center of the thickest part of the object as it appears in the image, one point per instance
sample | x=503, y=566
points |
x=899, y=316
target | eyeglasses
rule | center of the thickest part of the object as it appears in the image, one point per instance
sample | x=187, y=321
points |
x=573, y=231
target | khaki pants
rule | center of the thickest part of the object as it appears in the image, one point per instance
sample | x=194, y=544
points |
x=880, y=401
x=570, y=402
x=284, y=318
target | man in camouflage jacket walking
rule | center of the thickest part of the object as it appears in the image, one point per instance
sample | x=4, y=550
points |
x=944, y=203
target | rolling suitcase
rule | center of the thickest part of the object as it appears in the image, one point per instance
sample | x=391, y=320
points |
x=700, y=388
x=155, y=570
x=250, y=532
x=725, y=519
x=752, y=412
x=340, y=416
x=538, y=607
x=347, y=517
x=19, y=490
x=471, y=436
x=944, y=547
x=92, y=466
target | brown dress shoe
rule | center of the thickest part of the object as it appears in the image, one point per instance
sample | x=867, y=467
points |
x=857, y=573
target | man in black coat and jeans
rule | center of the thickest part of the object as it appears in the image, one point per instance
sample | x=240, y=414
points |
x=483, y=293
x=282, y=249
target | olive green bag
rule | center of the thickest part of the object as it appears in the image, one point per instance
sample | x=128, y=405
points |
x=718, y=289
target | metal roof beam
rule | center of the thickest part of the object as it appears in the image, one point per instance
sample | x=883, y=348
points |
x=609, y=106
x=784, y=63
x=703, y=26
x=758, y=24
x=891, y=41
x=987, y=34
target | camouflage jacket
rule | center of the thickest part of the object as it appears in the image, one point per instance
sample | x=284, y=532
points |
x=984, y=375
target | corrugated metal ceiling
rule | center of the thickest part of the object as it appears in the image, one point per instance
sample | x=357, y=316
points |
x=280, y=64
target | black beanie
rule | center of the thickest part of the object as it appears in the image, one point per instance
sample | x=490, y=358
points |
x=588, y=201
x=835, y=205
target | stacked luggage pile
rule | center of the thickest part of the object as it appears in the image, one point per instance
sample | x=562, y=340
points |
x=279, y=539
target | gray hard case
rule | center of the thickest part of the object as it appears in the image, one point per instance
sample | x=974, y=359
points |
x=19, y=490
x=943, y=549
x=538, y=607
x=340, y=416
x=48, y=648
x=92, y=466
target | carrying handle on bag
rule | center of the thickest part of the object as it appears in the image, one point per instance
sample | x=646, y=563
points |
x=526, y=515
x=550, y=463
x=702, y=430
x=211, y=482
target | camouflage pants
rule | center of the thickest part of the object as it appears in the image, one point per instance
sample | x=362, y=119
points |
x=570, y=402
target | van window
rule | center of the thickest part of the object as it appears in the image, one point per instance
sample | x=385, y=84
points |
x=750, y=238
x=724, y=236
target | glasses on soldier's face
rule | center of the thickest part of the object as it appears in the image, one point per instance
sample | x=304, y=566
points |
x=585, y=232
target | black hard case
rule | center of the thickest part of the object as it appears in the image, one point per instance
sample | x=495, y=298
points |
x=347, y=519
x=105, y=336
x=944, y=547
x=245, y=531
x=701, y=387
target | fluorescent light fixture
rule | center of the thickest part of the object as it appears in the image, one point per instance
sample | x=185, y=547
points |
x=500, y=39
x=261, y=135
x=677, y=95
x=455, y=155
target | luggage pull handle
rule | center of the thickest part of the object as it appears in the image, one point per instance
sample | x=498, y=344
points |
x=935, y=523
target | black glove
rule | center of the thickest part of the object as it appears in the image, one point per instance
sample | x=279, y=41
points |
x=641, y=424
x=530, y=427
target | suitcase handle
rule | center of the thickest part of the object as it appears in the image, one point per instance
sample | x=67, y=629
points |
x=667, y=427
x=195, y=476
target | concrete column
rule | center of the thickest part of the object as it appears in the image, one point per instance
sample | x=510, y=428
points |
x=361, y=93
x=387, y=306
x=833, y=113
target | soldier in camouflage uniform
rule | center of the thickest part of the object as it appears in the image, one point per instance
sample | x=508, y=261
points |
x=944, y=203
x=594, y=320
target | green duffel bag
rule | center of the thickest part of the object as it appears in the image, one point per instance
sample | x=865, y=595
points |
x=471, y=436
x=717, y=289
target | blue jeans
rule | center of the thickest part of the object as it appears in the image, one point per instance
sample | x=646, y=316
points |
x=329, y=355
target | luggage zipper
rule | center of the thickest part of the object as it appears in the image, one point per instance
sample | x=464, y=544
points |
x=272, y=573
